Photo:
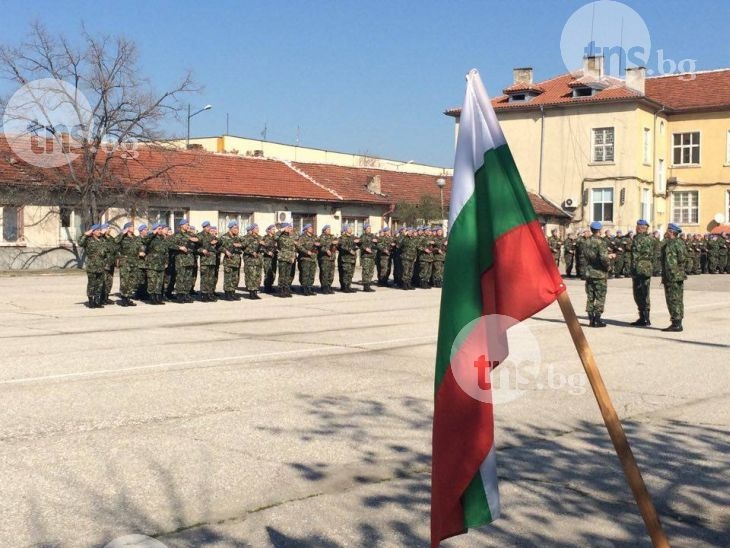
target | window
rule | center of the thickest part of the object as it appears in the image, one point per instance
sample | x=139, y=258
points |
x=243, y=220
x=12, y=219
x=356, y=223
x=169, y=217
x=301, y=219
x=70, y=227
x=686, y=148
x=602, y=200
x=646, y=204
x=661, y=183
x=603, y=144
x=647, y=146
x=582, y=92
x=685, y=208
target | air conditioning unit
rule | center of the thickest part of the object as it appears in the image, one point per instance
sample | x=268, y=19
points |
x=570, y=203
x=283, y=217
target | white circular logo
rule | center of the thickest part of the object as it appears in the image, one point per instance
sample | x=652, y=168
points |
x=609, y=29
x=135, y=541
x=494, y=358
x=46, y=121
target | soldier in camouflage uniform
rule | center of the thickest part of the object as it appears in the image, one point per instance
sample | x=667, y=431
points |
x=620, y=248
x=674, y=257
x=713, y=253
x=569, y=248
x=185, y=242
x=253, y=264
x=408, y=255
x=111, y=262
x=268, y=257
x=657, y=264
x=368, y=249
x=96, y=259
x=307, y=246
x=347, y=248
x=231, y=250
x=384, y=256
x=286, y=256
x=326, y=258
x=580, y=257
x=144, y=237
x=207, y=250
x=642, y=257
x=555, y=243
x=425, y=258
x=157, y=257
x=597, y=263
x=723, y=264
x=703, y=254
x=397, y=261
x=130, y=250
x=439, y=258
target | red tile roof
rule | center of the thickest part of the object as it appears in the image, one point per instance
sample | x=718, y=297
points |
x=544, y=207
x=707, y=90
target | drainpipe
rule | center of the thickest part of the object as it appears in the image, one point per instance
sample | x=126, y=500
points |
x=542, y=144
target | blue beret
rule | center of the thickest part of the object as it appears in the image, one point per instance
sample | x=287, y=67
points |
x=95, y=227
x=401, y=229
x=182, y=222
x=596, y=225
x=192, y=227
x=366, y=225
x=385, y=229
x=105, y=225
x=127, y=225
x=205, y=224
x=642, y=222
x=345, y=227
x=155, y=226
x=325, y=227
x=674, y=228
x=270, y=227
x=308, y=225
x=231, y=224
x=140, y=228
x=250, y=227
x=286, y=225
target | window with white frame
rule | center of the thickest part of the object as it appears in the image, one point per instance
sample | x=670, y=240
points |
x=685, y=207
x=661, y=182
x=647, y=146
x=602, y=200
x=603, y=142
x=686, y=148
x=646, y=204
x=170, y=217
x=225, y=217
x=301, y=219
x=12, y=221
x=70, y=228
x=356, y=223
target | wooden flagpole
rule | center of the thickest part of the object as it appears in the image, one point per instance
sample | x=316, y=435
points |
x=615, y=430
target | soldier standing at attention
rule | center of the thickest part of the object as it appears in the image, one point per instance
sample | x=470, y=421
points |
x=674, y=257
x=307, y=250
x=384, y=258
x=569, y=254
x=425, y=258
x=268, y=256
x=157, y=256
x=184, y=243
x=144, y=238
x=408, y=254
x=96, y=258
x=642, y=266
x=252, y=262
x=231, y=248
x=130, y=250
x=286, y=256
x=597, y=263
x=555, y=243
x=397, y=262
x=619, y=248
x=658, y=243
x=439, y=257
x=347, y=247
x=580, y=257
x=368, y=247
x=326, y=258
x=112, y=257
x=208, y=251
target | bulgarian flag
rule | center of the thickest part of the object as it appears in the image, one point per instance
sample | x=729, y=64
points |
x=498, y=264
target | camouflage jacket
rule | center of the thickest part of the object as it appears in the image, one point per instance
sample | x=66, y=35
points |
x=674, y=258
x=347, y=247
x=596, y=256
x=642, y=255
x=251, y=246
x=129, y=246
x=207, y=248
x=368, y=245
x=439, y=248
x=328, y=247
x=112, y=250
x=554, y=243
x=230, y=244
x=307, y=246
x=158, y=253
x=424, y=246
x=184, y=258
x=268, y=246
x=96, y=253
x=286, y=248
x=386, y=245
x=407, y=248
x=570, y=246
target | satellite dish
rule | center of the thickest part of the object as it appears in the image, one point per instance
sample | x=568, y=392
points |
x=719, y=218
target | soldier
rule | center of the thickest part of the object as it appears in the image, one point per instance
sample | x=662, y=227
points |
x=131, y=250
x=157, y=257
x=723, y=264
x=368, y=248
x=642, y=257
x=439, y=257
x=268, y=257
x=580, y=259
x=111, y=261
x=208, y=251
x=347, y=247
x=326, y=257
x=674, y=257
x=307, y=250
x=569, y=250
x=619, y=248
x=425, y=258
x=597, y=263
x=286, y=257
x=657, y=264
x=96, y=259
x=184, y=246
x=384, y=257
x=397, y=261
x=628, y=242
x=231, y=250
x=555, y=243
x=702, y=244
x=252, y=262
x=408, y=254
x=141, y=291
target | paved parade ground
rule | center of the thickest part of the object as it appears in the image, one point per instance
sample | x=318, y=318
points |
x=307, y=421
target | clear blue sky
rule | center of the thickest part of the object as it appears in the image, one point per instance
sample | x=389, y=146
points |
x=355, y=76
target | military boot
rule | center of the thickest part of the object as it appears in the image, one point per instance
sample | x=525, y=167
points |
x=592, y=320
x=255, y=295
x=641, y=322
x=92, y=302
x=675, y=327
x=99, y=301
x=368, y=288
x=646, y=317
x=597, y=321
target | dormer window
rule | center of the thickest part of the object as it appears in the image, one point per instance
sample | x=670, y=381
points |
x=517, y=97
x=584, y=91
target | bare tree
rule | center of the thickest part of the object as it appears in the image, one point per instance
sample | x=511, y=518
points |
x=119, y=114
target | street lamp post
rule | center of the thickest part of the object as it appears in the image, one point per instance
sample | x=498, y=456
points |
x=441, y=183
x=206, y=107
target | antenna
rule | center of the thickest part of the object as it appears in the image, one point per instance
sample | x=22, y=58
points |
x=593, y=19
x=227, y=124
x=265, y=131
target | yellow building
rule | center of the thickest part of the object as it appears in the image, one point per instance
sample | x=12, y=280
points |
x=615, y=150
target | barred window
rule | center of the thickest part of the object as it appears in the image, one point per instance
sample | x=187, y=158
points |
x=685, y=207
x=603, y=143
x=686, y=148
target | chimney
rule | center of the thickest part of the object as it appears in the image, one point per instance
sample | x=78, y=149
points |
x=635, y=78
x=522, y=75
x=373, y=185
x=593, y=67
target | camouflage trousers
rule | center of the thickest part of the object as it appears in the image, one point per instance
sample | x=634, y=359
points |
x=346, y=271
x=252, y=271
x=128, y=279
x=437, y=274
x=384, y=266
x=208, y=278
x=674, y=295
x=307, y=272
x=286, y=274
x=269, y=268
x=596, y=289
x=168, y=281
x=155, y=279
x=641, y=286
x=424, y=272
x=95, y=282
x=108, y=280
x=398, y=270
x=183, y=279
x=619, y=265
x=326, y=272
x=367, y=264
x=231, y=278
x=556, y=258
x=569, y=260
x=141, y=282
x=723, y=263
x=407, y=266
